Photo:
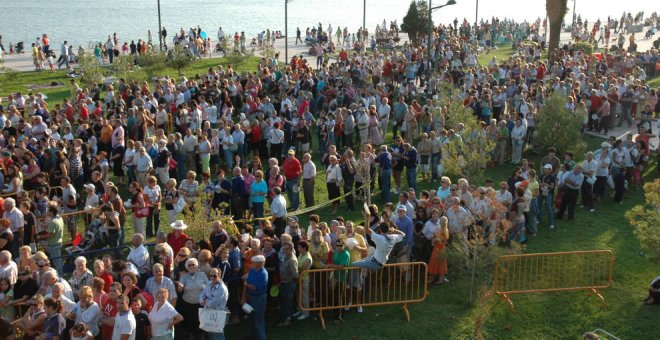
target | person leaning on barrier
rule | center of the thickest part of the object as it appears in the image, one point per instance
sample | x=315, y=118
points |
x=385, y=238
x=654, y=293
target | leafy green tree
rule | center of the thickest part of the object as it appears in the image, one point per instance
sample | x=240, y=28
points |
x=123, y=65
x=465, y=156
x=90, y=70
x=152, y=63
x=180, y=59
x=645, y=220
x=416, y=21
x=556, y=126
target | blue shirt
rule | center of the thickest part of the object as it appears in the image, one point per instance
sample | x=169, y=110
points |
x=234, y=262
x=576, y=178
x=260, y=186
x=238, y=186
x=385, y=160
x=405, y=224
x=215, y=295
x=411, y=162
x=258, y=278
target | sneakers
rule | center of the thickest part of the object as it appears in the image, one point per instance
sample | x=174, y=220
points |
x=359, y=309
x=284, y=323
x=296, y=314
x=302, y=317
x=552, y=226
x=592, y=210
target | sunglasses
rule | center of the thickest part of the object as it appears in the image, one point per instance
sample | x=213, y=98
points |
x=191, y=265
x=43, y=266
x=339, y=245
x=182, y=255
x=213, y=276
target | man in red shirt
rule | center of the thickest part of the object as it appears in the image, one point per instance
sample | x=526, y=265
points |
x=292, y=170
x=596, y=102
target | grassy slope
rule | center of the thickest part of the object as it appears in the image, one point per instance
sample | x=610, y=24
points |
x=445, y=314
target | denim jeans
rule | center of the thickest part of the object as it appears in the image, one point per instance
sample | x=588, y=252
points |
x=368, y=263
x=385, y=180
x=258, y=209
x=435, y=160
x=549, y=206
x=55, y=251
x=257, y=317
x=287, y=292
x=216, y=336
x=533, y=213
x=411, y=174
x=294, y=197
x=229, y=159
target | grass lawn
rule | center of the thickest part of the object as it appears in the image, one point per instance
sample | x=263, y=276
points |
x=446, y=314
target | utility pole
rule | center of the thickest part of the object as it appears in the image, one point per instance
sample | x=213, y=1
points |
x=573, y=24
x=286, y=31
x=364, y=17
x=476, y=18
x=160, y=27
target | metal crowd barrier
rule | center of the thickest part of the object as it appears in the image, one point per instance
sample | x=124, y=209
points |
x=120, y=252
x=336, y=289
x=554, y=272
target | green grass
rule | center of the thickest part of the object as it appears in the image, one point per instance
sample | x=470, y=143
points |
x=19, y=81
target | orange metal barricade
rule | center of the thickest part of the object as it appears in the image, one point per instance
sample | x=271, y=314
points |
x=554, y=272
x=322, y=290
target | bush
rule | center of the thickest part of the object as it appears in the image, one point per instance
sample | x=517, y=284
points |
x=152, y=62
x=586, y=47
x=560, y=128
x=645, y=220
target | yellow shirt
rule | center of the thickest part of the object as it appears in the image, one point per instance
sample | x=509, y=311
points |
x=534, y=187
x=356, y=254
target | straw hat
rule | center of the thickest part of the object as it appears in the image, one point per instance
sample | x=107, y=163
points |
x=178, y=225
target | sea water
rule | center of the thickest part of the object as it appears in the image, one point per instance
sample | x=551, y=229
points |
x=82, y=22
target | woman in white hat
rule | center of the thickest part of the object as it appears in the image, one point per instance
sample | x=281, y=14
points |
x=177, y=238
x=256, y=286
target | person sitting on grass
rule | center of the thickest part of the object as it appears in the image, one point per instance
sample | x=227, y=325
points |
x=654, y=293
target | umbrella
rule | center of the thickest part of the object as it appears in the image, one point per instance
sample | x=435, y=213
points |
x=203, y=35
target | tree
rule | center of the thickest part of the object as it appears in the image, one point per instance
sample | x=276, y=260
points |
x=123, y=65
x=556, y=126
x=465, y=156
x=152, y=63
x=645, y=220
x=555, y=9
x=90, y=70
x=179, y=59
x=416, y=21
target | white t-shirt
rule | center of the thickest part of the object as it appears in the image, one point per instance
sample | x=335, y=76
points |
x=384, y=245
x=160, y=318
x=124, y=324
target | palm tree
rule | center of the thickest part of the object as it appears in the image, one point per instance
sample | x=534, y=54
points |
x=555, y=10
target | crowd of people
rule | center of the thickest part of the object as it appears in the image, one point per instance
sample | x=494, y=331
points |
x=245, y=145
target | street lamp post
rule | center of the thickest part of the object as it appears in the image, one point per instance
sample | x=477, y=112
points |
x=574, y=18
x=286, y=31
x=160, y=27
x=430, y=33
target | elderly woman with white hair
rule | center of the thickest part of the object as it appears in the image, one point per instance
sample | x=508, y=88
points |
x=81, y=276
x=190, y=286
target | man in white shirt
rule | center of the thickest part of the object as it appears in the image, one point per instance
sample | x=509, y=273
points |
x=383, y=115
x=16, y=221
x=518, y=134
x=143, y=166
x=385, y=239
x=278, y=209
x=308, y=176
x=589, y=168
x=124, y=328
x=8, y=268
x=189, y=149
x=139, y=255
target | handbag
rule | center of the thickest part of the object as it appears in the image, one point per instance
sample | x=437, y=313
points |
x=180, y=205
x=172, y=164
x=591, y=180
x=212, y=320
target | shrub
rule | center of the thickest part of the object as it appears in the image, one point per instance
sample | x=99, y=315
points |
x=645, y=220
x=586, y=47
x=559, y=127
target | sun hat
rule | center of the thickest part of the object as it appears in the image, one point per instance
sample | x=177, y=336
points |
x=605, y=145
x=178, y=225
x=547, y=166
x=89, y=186
x=258, y=259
